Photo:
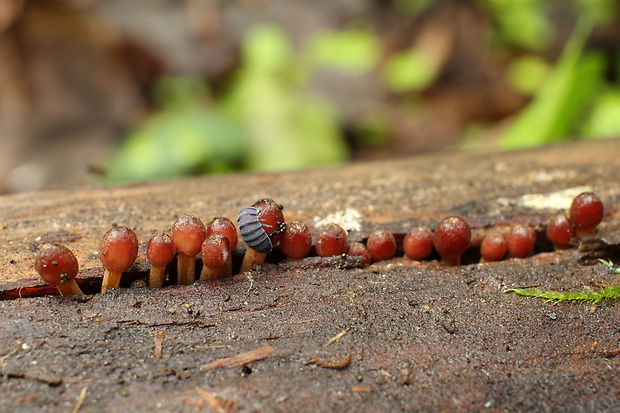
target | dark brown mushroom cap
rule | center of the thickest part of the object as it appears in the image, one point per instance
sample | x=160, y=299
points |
x=56, y=264
x=119, y=249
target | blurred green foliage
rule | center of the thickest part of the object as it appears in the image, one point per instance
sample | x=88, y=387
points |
x=268, y=118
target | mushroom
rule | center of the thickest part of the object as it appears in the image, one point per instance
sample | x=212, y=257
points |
x=159, y=251
x=451, y=239
x=118, y=251
x=586, y=212
x=418, y=243
x=331, y=240
x=215, y=252
x=296, y=241
x=560, y=230
x=381, y=244
x=188, y=234
x=520, y=241
x=357, y=249
x=493, y=247
x=224, y=226
x=56, y=264
x=261, y=226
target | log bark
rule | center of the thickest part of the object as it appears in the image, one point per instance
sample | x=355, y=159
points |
x=395, y=336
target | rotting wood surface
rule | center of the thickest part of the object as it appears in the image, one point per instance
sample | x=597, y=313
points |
x=396, y=336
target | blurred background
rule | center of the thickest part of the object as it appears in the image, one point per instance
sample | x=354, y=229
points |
x=115, y=91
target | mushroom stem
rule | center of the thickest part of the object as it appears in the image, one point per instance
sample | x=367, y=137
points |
x=186, y=269
x=252, y=258
x=111, y=279
x=157, y=276
x=451, y=261
x=226, y=269
x=69, y=288
x=580, y=232
x=209, y=273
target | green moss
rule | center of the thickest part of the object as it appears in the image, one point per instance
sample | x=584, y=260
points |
x=605, y=293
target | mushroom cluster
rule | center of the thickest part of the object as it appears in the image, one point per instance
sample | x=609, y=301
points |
x=262, y=228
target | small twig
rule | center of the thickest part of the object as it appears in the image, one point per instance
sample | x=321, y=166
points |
x=80, y=400
x=241, y=358
x=159, y=343
x=338, y=336
x=219, y=405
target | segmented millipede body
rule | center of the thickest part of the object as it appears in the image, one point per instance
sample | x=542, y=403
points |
x=253, y=231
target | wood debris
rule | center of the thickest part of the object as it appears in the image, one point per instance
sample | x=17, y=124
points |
x=241, y=358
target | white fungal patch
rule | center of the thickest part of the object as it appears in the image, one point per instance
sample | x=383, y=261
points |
x=350, y=220
x=559, y=200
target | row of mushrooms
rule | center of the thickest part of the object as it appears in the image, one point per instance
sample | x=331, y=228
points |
x=262, y=227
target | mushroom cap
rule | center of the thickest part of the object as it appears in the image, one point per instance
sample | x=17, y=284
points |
x=381, y=244
x=271, y=217
x=493, y=247
x=520, y=241
x=331, y=240
x=160, y=250
x=418, y=243
x=188, y=234
x=119, y=249
x=586, y=210
x=224, y=226
x=296, y=240
x=56, y=264
x=560, y=230
x=452, y=237
x=357, y=249
x=215, y=250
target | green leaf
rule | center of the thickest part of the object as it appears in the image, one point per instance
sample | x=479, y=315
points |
x=604, y=120
x=409, y=70
x=351, y=50
x=527, y=73
x=551, y=114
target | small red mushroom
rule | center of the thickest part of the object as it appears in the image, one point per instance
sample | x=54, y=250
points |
x=215, y=251
x=118, y=251
x=418, y=243
x=357, y=249
x=586, y=212
x=451, y=239
x=381, y=244
x=520, y=241
x=331, y=240
x=56, y=264
x=261, y=226
x=296, y=241
x=493, y=247
x=188, y=234
x=224, y=226
x=159, y=251
x=560, y=230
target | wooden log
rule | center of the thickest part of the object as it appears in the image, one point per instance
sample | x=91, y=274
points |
x=395, y=336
